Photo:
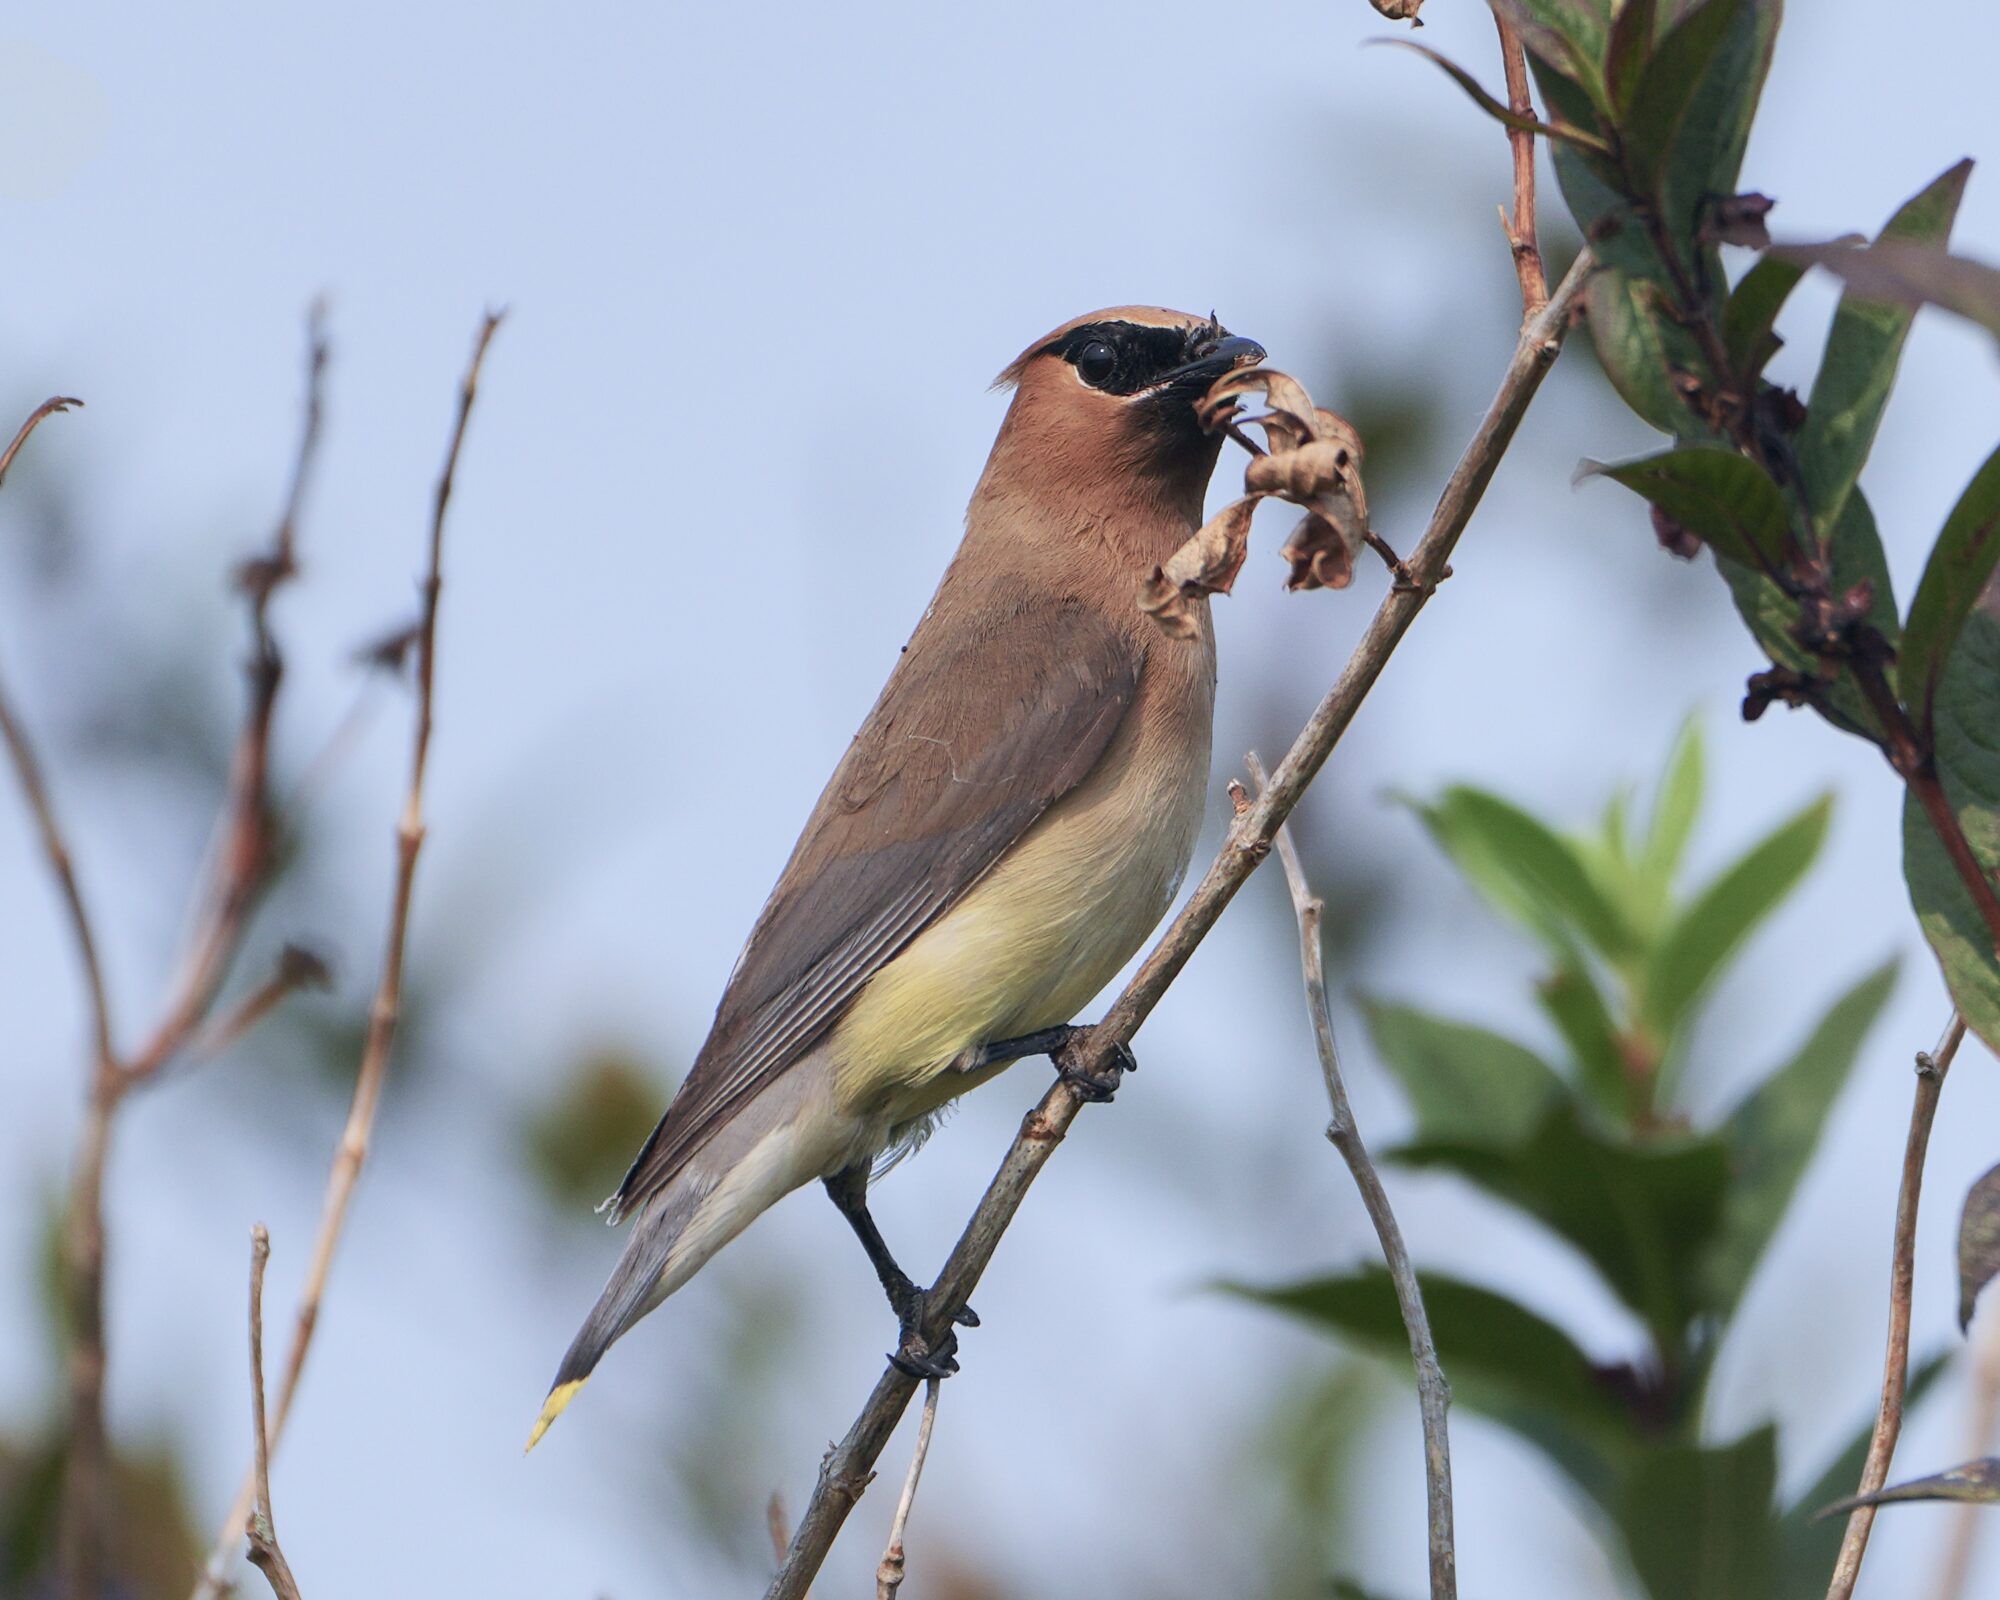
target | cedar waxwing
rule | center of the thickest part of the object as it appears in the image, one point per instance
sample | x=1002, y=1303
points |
x=1009, y=824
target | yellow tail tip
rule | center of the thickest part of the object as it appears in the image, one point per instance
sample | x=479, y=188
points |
x=559, y=1396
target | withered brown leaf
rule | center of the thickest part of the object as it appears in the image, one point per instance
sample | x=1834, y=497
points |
x=1206, y=564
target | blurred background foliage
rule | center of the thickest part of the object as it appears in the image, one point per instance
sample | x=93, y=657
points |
x=1592, y=1141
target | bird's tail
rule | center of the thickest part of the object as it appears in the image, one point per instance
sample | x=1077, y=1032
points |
x=645, y=1275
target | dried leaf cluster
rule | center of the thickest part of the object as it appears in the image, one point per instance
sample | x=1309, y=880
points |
x=1311, y=458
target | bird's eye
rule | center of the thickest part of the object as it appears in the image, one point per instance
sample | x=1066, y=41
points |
x=1096, y=362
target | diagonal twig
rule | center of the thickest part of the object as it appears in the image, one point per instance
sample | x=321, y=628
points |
x=846, y=1471
x=1931, y=1069
x=889, y=1571
x=1433, y=1392
x=264, y=1551
x=352, y=1152
x=1520, y=228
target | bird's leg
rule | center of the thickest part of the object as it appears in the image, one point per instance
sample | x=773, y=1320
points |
x=848, y=1189
x=1060, y=1046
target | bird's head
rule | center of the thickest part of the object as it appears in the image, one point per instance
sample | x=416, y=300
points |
x=1114, y=393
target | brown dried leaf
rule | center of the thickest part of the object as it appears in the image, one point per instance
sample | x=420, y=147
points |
x=1320, y=555
x=1976, y=1481
x=1206, y=564
x=1400, y=10
x=1978, y=1243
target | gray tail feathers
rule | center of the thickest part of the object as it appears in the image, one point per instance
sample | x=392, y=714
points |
x=635, y=1285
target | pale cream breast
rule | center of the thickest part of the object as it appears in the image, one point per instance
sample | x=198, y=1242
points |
x=1056, y=917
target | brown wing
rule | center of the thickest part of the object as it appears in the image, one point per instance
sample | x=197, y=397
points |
x=982, y=726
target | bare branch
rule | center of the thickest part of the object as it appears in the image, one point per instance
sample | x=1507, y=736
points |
x=1520, y=228
x=298, y=968
x=889, y=1571
x=1433, y=1392
x=846, y=1471
x=47, y=408
x=264, y=1551
x=352, y=1152
x=1931, y=1070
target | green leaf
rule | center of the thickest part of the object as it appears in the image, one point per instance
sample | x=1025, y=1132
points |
x=1774, y=1130
x=1909, y=273
x=1526, y=870
x=1572, y=36
x=1639, y=349
x=1501, y=1359
x=1674, y=810
x=1807, y=1548
x=1498, y=110
x=1698, y=1521
x=1971, y=1482
x=1978, y=1242
x=1634, y=26
x=1667, y=89
x=1576, y=1006
x=1643, y=1215
x=1749, y=320
x=1862, y=353
x=1705, y=154
x=1464, y=1082
x=1725, y=499
x=1707, y=932
x=1960, y=566
x=1968, y=764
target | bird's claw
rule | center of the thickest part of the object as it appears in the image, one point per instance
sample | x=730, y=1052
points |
x=913, y=1354
x=1099, y=1086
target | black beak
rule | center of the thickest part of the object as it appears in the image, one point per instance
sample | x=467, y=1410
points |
x=1213, y=359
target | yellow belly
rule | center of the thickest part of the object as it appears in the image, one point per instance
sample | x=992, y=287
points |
x=1041, y=933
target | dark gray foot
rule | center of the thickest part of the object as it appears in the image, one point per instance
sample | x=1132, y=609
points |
x=911, y=1354
x=1097, y=1087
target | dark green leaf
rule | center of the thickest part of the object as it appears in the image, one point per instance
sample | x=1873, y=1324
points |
x=1570, y=35
x=1575, y=1005
x=1706, y=934
x=1634, y=26
x=1705, y=153
x=1726, y=500
x=1644, y=1215
x=1978, y=1243
x=1974, y=1481
x=1667, y=89
x=1750, y=318
x=1862, y=353
x=1463, y=1081
x=1698, y=1522
x=1498, y=110
x=1807, y=1548
x=1639, y=348
x=1968, y=763
x=1500, y=1358
x=1960, y=566
x=1526, y=870
x=1858, y=557
x=1775, y=1128
x=1909, y=273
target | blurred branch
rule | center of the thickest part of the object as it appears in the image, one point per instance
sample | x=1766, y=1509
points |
x=298, y=968
x=1433, y=1392
x=1931, y=1070
x=352, y=1152
x=846, y=1471
x=1520, y=227
x=889, y=1572
x=1983, y=1418
x=264, y=1551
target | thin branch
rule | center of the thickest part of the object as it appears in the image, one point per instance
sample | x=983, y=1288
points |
x=889, y=1571
x=1522, y=237
x=846, y=1471
x=264, y=1551
x=1433, y=1392
x=352, y=1151
x=1931, y=1070
x=247, y=831
x=48, y=408
x=298, y=968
